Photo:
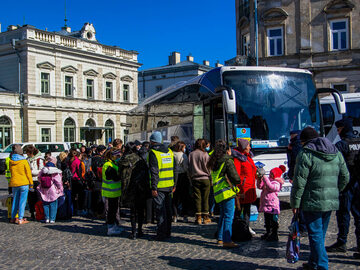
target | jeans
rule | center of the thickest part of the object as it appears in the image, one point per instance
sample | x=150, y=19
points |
x=163, y=213
x=349, y=203
x=227, y=210
x=317, y=224
x=50, y=210
x=112, y=211
x=201, y=195
x=19, y=201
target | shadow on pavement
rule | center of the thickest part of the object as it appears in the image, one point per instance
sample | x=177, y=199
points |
x=188, y=263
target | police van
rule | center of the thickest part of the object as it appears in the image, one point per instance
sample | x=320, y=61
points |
x=54, y=147
x=331, y=115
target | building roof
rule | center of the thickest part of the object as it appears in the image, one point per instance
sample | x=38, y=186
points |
x=178, y=65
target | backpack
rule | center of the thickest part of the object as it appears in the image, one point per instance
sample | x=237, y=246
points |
x=66, y=175
x=45, y=180
x=240, y=230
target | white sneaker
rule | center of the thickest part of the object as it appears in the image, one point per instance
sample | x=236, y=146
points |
x=252, y=232
x=47, y=221
x=113, y=230
x=52, y=221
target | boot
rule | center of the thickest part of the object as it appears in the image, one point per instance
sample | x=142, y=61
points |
x=206, y=219
x=273, y=236
x=337, y=247
x=266, y=235
x=198, y=220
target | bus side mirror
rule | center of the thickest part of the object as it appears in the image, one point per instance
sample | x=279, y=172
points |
x=340, y=103
x=229, y=100
x=339, y=99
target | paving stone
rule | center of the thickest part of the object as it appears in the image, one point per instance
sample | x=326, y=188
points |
x=83, y=244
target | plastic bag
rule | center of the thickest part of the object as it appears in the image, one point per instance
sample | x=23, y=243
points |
x=293, y=243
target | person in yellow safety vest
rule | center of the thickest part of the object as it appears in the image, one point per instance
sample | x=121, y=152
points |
x=225, y=179
x=111, y=190
x=163, y=182
x=7, y=172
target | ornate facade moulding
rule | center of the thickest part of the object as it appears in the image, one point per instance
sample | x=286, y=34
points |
x=110, y=76
x=69, y=69
x=339, y=6
x=274, y=14
x=126, y=78
x=46, y=65
x=243, y=22
x=46, y=122
x=91, y=72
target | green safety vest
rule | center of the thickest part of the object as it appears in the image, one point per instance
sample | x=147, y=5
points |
x=110, y=188
x=7, y=170
x=166, y=168
x=222, y=189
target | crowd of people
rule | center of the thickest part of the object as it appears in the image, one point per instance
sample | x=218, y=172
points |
x=169, y=183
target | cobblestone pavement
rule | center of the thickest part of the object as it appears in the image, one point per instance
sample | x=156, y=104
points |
x=82, y=244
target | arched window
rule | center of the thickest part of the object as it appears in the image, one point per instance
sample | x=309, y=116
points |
x=69, y=130
x=109, y=131
x=90, y=123
x=5, y=131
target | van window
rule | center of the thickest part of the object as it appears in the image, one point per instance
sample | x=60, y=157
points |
x=54, y=147
x=328, y=117
x=353, y=111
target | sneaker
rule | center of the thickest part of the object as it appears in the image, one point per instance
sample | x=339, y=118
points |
x=174, y=219
x=113, y=230
x=337, y=247
x=52, y=221
x=252, y=232
x=22, y=221
x=220, y=243
x=47, y=221
x=230, y=245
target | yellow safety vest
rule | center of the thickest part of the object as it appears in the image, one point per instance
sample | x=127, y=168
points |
x=7, y=170
x=222, y=189
x=110, y=188
x=166, y=168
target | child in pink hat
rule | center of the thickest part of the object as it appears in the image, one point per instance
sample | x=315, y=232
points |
x=269, y=201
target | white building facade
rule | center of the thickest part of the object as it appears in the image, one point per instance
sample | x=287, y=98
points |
x=69, y=86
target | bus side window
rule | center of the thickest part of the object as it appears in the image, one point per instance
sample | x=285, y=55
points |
x=353, y=111
x=328, y=117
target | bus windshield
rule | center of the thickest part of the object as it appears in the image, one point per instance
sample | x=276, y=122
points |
x=270, y=104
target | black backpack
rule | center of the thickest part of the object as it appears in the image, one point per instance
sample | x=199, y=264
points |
x=66, y=175
x=240, y=230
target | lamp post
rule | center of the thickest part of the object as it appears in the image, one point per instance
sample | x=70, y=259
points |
x=256, y=33
x=21, y=95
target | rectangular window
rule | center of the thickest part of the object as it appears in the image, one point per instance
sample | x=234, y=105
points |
x=246, y=44
x=108, y=90
x=342, y=87
x=45, y=83
x=158, y=88
x=275, y=41
x=339, y=35
x=126, y=92
x=90, y=88
x=45, y=134
x=68, y=86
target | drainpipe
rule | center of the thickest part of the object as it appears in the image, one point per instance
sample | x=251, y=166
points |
x=21, y=95
x=256, y=34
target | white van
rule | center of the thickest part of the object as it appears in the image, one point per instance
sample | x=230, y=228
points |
x=54, y=147
x=331, y=115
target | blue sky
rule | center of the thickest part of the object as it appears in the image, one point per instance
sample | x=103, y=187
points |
x=154, y=28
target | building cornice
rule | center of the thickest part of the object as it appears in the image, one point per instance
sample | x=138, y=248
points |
x=170, y=69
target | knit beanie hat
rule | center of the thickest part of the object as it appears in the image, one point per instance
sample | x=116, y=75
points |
x=16, y=149
x=242, y=144
x=51, y=159
x=308, y=133
x=278, y=171
x=156, y=137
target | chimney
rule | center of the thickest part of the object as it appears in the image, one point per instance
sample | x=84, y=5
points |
x=190, y=58
x=174, y=58
x=11, y=27
x=206, y=63
x=218, y=64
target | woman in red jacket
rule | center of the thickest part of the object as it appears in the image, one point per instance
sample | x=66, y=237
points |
x=246, y=169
